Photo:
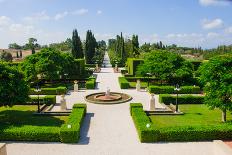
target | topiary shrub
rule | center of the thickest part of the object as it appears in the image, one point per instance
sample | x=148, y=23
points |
x=183, y=99
x=61, y=90
x=90, y=83
x=48, y=100
x=70, y=131
x=170, y=90
x=124, y=84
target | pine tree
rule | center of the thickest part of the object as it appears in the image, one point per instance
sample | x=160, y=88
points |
x=77, y=50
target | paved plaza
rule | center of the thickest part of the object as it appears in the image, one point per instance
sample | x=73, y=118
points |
x=109, y=129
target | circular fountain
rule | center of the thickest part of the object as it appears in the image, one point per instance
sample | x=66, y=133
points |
x=108, y=97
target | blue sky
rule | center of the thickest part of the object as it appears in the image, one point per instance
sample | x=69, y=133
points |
x=193, y=23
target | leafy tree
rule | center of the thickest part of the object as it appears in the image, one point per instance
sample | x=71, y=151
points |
x=90, y=47
x=31, y=44
x=14, y=46
x=77, y=50
x=216, y=75
x=6, y=56
x=13, y=87
x=166, y=66
x=49, y=63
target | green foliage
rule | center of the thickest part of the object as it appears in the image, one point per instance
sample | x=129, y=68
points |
x=31, y=44
x=13, y=88
x=146, y=134
x=90, y=83
x=6, y=56
x=90, y=47
x=72, y=134
x=216, y=75
x=132, y=65
x=124, y=84
x=51, y=64
x=170, y=90
x=19, y=124
x=196, y=64
x=135, y=45
x=183, y=99
x=166, y=66
x=77, y=50
x=48, y=100
x=49, y=91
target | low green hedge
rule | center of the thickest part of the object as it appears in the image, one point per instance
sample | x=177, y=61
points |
x=48, y=100
x=183, y=99
x=72, y=134
x=30, y=133
x=141, y=120
x=49, y=91
x=183, y=133
x=170, y=90
x=90, y=83
x=124, y=84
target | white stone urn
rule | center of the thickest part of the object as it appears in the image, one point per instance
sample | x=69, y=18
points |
x=75, y=86
x=152, y=102
x=63, y=106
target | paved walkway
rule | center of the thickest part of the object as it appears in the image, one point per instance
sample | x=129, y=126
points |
x=109, y=129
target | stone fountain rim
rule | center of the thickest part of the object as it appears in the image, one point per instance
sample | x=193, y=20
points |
x=110, y=102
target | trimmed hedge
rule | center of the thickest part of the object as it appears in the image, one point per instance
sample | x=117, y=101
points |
x=170, y=90
x=183, y=133
x=141, y=120
x=49, y=91
x=72, y=134
x=30, y=133
x=124, y=84
x=183, y=99
x=132, y=64
x=48, y=99
x=90, y=83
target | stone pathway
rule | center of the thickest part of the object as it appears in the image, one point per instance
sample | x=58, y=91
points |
x=109, y=129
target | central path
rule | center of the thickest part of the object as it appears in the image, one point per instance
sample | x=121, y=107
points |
x=109, y=129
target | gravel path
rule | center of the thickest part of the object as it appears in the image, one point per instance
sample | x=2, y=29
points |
x=109, y=129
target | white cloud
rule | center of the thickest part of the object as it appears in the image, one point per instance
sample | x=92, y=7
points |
x=228, y=30
x=60, y=15
x=80, y=12
x=4, y=21
x=37, y=17
x=214, y=2
x=212, y=24
x=212, y=35
x=99, y=12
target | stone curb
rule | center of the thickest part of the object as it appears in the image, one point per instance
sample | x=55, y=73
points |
x=3, y=149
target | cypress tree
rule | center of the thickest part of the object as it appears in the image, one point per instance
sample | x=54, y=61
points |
x=77, y=50
x=20, y=53
x=90, y=46
x=135, y=45
x=17, y=54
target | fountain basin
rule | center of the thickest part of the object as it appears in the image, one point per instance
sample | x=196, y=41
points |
x=112, y=98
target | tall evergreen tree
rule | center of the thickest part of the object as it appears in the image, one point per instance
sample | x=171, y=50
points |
x=90, y=47
x=77, y=50
x=135, y=45
x=20, y=53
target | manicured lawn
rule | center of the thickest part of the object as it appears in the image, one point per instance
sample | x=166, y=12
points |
x=195, y=115
x=21, y=115
x=133, y=84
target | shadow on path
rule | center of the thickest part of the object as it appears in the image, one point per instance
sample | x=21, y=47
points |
x=84, y=140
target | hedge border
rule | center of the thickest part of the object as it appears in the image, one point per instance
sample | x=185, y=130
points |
x=170, y=90
x=182, y=99
x=124, y=84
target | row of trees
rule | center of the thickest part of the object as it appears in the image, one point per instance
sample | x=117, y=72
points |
x=120, y=48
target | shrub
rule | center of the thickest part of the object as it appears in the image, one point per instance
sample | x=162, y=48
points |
x=48, y=100
x=72, y=134
x=30, y=133
x=183, y=99
x=124, y=84
x=132, y=65
x=49, y=91
x=90, y=83
x=141, y=120
x=61, y=90
x=170, y=90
